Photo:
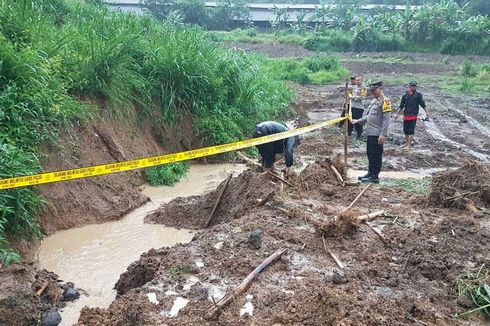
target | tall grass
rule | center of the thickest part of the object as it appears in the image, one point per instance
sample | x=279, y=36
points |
x=316, y=70
x=56, y=56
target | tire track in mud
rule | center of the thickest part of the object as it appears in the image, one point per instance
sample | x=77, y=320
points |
x=436, y=133
x=471, y=121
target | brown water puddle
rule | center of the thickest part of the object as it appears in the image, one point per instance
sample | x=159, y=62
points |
x=94, y=256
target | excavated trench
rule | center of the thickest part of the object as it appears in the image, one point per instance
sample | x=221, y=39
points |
x=94, y=256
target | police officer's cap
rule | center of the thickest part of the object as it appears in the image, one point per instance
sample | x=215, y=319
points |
x=412, y=83
x=352, y=77
x=376, y=84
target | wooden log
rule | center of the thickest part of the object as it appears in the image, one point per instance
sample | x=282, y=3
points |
x=370, y=216
x=334, y=169
x=279, y=178
x=264, y=201
x=227, y=299
x=357, y=198
x=218, y=200
x=380, y=236
x=334, y=257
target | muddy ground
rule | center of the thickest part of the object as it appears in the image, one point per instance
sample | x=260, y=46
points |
x=409, y=278
x=408, y=281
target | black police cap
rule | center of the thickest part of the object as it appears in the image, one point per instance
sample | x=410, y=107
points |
x=412, y=83
x=352, y=77
x=376, y=84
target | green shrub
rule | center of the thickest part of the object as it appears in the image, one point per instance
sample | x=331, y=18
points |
x=469, y=70
x=311, y=70
x=322, y=62
x=18, y=207
x=167, y=174
x=330, y=40
x=467, y=85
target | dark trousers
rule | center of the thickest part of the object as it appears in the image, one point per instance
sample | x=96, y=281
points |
x=356, y=114
x=375, y=155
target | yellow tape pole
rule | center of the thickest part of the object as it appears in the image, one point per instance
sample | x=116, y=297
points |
x=103, y=169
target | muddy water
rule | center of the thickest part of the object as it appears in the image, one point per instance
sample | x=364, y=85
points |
x=94, y=256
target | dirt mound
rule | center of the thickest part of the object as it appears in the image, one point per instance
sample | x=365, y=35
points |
x=462, y=188
x=241, y=195
x=319, y=176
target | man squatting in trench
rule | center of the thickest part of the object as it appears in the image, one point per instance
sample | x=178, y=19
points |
x=268, y=151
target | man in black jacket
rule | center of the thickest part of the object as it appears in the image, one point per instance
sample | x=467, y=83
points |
x=268, y=151
x=410, y=104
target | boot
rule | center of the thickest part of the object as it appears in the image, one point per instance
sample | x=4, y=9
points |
x=371, y=179
x=367, y=175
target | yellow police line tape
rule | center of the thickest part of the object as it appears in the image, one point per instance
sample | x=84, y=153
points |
x=103, y=169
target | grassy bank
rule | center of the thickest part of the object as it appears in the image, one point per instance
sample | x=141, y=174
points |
x=57, y=56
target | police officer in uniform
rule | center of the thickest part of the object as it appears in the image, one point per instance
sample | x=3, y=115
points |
x=359, y=94
x=268, y=151
x=377, y=120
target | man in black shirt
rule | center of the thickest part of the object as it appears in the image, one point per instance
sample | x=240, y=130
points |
x=410, y=104
x=268, y=151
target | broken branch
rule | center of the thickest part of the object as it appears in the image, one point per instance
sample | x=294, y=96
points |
x=278, y=177
x=334, y=257
x=357, y=198
x=218, y=200
x=248, y=160
x=380, y=236
x=334, y=169
x=462, y=195
x=370, y=216
x=227, y=299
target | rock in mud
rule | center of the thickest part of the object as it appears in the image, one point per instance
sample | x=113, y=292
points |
x=70, y=294
x=50, y=318
x=255, y=239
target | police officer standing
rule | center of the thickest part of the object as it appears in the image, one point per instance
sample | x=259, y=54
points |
x=410, y=104
x=268, y=151
x=377, y=120
x=359, y=94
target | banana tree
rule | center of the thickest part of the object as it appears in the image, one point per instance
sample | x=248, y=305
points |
x=281, y=16
x=323, y=13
